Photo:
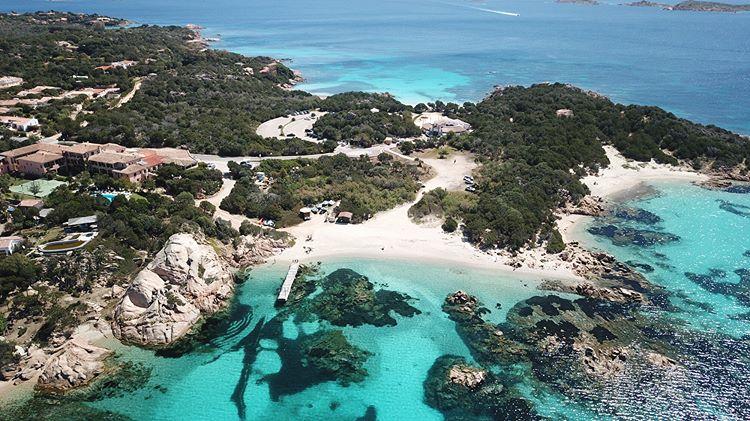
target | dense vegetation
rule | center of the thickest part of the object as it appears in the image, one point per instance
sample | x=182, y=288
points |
x=363, y=186
x=364, y=119
x=533, y=159
x=200, y=181
x=209, y=100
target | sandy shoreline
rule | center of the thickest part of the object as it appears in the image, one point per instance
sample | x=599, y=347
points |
x=620, y=177
x=393, y=235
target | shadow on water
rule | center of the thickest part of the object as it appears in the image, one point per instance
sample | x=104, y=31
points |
x=249, y=345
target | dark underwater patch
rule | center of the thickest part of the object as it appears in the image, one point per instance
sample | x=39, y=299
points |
x=738, y=189
x=602, y=334
x=713, y=282
x=637, y=215
x=214, y=331
x=624, y=236
x=349, y=299
x=371, y=414
x=313, y=359
x=249, y=347
x=643, y=267
x=551, y=305
x=734, y=208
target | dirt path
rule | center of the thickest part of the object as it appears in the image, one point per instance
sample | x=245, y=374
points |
x=226, y=188
x=127, y=97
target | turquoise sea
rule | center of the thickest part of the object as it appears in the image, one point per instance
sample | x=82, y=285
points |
x=694, y=64
x=200, y=385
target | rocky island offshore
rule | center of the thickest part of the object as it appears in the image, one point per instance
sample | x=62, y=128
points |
x=140, y=187
x=695, y=6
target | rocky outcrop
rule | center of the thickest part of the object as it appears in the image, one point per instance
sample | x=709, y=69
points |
x=588, y=289
x=73, y=365
x=486, y=342
x=602, y=277
x=185, y=281
x=464, y=391
x=588, y=206
x=255, y=249
x=466, y=376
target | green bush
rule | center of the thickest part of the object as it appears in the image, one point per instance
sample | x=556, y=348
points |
x=406, y=147
x=450, y=225
x=555, y=243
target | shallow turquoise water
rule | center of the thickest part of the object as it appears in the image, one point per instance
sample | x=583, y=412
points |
x=694, y=64
x=711, y=238
x=200, y=386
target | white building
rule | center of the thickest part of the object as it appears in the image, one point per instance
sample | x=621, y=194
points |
x=8, y=245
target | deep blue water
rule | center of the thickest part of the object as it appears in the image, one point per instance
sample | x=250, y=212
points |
x=694, y=64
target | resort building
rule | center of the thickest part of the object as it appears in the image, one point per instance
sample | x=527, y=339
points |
x=77, y=155
x=37, y=159
x=40, y=163
x=122, y=64
x=31, y=203
x=22, y=124
x=114, y=160
x=8, y=245
x=81, y=224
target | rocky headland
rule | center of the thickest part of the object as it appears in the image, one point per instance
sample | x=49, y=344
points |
x=695, y=6
x=185, y=281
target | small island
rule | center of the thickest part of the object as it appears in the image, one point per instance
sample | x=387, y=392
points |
x=695, y=6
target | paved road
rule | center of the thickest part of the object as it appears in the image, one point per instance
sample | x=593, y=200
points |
x=222, y=162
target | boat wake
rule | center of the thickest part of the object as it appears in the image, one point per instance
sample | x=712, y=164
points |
x=498, y=12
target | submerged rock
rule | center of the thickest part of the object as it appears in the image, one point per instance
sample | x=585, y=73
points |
x=713, y=282
x=644, y=267
x=350, y=299
x=185, y=281
x=637, y=214
x=317, y=358
x=487, y=342
x=735, y=208
x=458, y=389
x=623, y=236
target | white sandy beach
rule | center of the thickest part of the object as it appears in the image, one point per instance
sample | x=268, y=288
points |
x=393, y=235
x=620, y=176
x=295, y=125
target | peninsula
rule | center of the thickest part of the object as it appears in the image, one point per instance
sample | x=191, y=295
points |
x=143, y=175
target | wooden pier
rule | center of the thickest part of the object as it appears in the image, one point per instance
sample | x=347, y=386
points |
x=286, y=287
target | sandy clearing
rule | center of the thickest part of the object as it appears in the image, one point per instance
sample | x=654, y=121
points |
x=295, y=125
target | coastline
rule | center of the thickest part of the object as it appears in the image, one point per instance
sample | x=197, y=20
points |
x=617, y=180
x=391, y=235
